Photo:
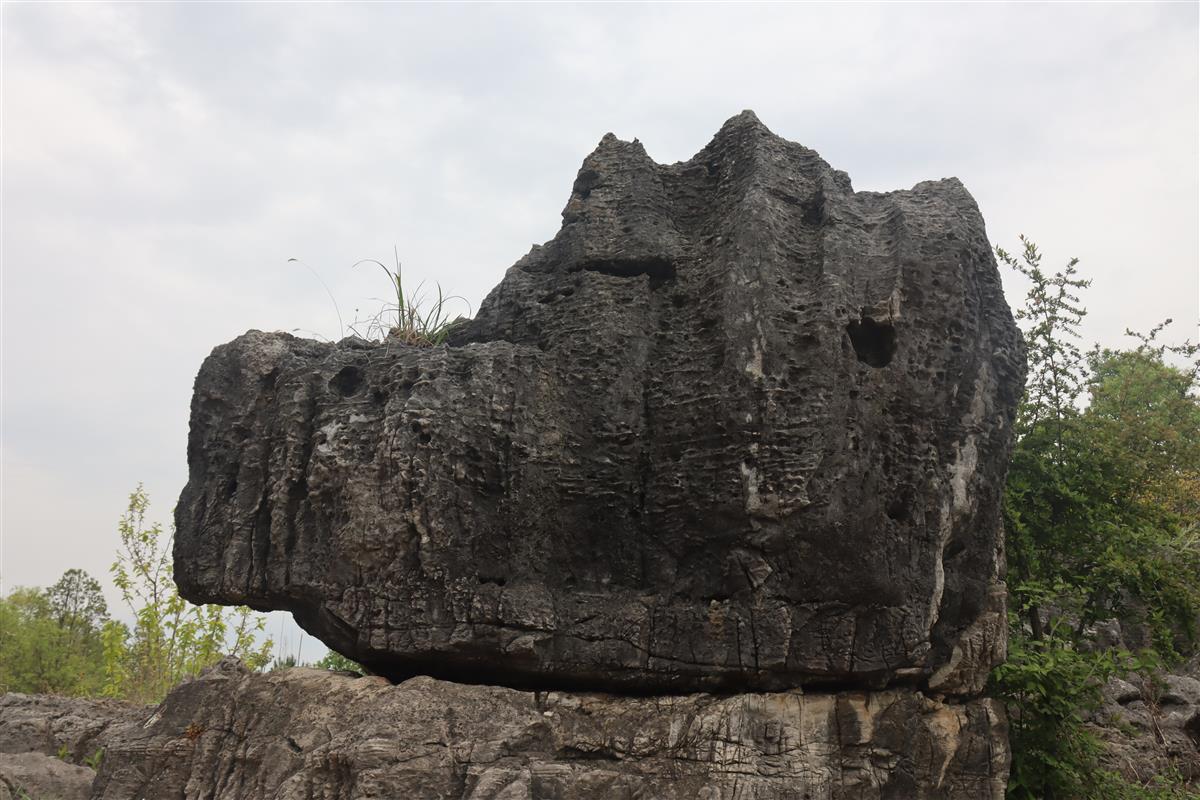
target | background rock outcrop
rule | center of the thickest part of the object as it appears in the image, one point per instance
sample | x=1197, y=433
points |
x=33, y=776
x=52, y=724
x=736, y=427
x=1150, y=725
x=46, y=741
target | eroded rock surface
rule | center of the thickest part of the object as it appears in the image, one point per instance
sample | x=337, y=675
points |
x=736, y=427
x=1150, y=726
x=302, y=733
x=52, y=725
x=46, y=740
x=35, y=776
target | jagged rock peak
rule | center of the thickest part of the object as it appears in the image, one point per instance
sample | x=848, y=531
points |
x=736, y=427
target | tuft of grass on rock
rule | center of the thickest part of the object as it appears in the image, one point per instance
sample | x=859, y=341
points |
x=415, y=317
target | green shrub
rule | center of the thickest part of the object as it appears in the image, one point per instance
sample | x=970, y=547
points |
x=336, y=661
x=1100, y=512
x=171, y=639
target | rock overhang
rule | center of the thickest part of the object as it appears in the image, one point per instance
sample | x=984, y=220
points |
x=735, y=427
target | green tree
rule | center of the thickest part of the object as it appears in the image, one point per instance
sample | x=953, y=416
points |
x=336, y=661
x=50, y=640
x=77, y=601
x=1096, y=516
x=78, y=607
x=1152, y=418
x=285, y=662
x=1144, y=420
x=171, y=639
x=61, y=640
x=1045, y=427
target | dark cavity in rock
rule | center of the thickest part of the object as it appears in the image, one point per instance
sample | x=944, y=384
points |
x=874, y=342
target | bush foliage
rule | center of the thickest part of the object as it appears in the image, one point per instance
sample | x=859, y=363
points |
x=1101, y=514
x=61, y=640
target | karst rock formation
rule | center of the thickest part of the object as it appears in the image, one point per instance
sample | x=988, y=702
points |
x=706, y=496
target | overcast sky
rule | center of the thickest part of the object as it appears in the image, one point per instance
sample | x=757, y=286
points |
x=162, y=162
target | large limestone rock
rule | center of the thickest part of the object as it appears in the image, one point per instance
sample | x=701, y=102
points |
x=736, y=427
x=302, y=734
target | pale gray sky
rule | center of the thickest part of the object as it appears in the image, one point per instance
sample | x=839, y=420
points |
x=161, y=162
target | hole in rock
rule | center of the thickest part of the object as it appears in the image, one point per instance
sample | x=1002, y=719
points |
x=570, y=753
x=267, y=382
x=587, y=180
x=874, y=342
x=423, y=436
x=556, y=295
x=1192, y=728
x=659, y=270
x=814, y=210
x=347, y=381
x=954, y=548
x=1172, y=699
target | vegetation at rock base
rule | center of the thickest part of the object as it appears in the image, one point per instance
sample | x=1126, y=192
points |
x=52, y=640
x=171, y=639
x=332, y=660
x=336, y=661
x=1102, y=511
x=61, y=640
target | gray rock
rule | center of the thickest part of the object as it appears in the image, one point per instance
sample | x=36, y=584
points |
x=736, y=427
x=35, y=776
x=45, y=739
x=1151, y=726
x=52, y=725
x=303, y=733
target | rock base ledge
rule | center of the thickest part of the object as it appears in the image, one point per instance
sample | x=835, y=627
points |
x=306, y=733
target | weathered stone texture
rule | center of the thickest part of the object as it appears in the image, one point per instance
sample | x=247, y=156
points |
x=301, y=734
x=45, y=740
x=35, y=776
x=1150, y=726
x=50, y=724
x=737, y=427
